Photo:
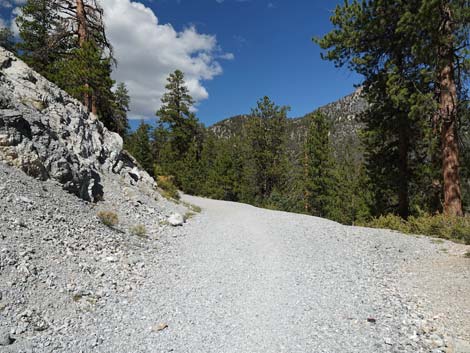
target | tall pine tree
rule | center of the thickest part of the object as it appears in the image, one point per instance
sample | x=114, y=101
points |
x=379, y=39
x=266, y=151
x=319, y=167
x=175, y=115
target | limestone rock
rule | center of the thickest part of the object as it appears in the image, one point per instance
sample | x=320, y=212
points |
x=50, y=135
x=176, y=220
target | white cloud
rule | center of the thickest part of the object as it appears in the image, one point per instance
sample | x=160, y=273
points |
x=227, y=56
x=147, y=52
x=13, y=26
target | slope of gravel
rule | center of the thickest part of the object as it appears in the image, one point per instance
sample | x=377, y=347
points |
x=60, y=266
x=233, y=279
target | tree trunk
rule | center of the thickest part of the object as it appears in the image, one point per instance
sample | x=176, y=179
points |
x=94, y=107
x=82, y=25
x=448, y=117
x=306, y=192
x=82, y=38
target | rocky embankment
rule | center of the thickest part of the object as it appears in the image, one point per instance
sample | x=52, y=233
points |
x=59, y=264
x=50, y=135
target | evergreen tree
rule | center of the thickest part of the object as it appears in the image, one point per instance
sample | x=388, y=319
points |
x=352, y=196
x=120, y=109
x=58, y=37
x=175, y=115
x=379, y=39
x=139, y=145
x=162, y=150
x=319, y=167
x=189, y=170
x=267, y=158
x=87, y=73
x=444, y=48
x=223, y=168
x=43, y=35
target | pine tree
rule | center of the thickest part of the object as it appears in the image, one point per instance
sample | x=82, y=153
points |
x=121, y=107
x=179, y=137
x=448, y=43
x=86, y=73
x=175, y=115
x=267, y=157
x=379, y=39
x=42, y=34
x=54, y=32
x=223, y=168
x=189, y=170
x=319, y=166
x=352, y=193
x=139, y=145
x=162, y=150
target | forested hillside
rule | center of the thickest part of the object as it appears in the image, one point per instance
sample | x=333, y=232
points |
x=344, y=117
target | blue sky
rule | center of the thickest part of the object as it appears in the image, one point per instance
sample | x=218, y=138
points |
x=274, y=54
x=270, y=41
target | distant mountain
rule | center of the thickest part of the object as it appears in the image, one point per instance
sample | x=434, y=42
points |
x=343, y=115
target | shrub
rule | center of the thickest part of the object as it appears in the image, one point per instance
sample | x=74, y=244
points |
x=439, y=226
x=108, y=218
x=139, y=230
x=167, y=185
x=389, y=221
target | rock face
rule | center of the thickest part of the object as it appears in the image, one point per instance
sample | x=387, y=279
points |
x=50, y=135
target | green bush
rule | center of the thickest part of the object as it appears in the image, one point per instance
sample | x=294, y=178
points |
x=389, y=221
x=167, y=185
x=108, y=218
x=139, y=230
x=439, y=226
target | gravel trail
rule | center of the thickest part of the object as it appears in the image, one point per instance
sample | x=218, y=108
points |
x=233, y=279
x=242, y=279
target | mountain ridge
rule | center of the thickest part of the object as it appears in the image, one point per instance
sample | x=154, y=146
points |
x=343, y=115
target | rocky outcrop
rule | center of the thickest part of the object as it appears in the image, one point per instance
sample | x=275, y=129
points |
x=50, y=135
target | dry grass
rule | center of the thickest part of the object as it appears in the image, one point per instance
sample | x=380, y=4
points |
x=439, y=226
x=139, y=230
x=108, y=218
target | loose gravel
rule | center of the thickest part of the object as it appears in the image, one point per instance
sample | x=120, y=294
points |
x=234, y=278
